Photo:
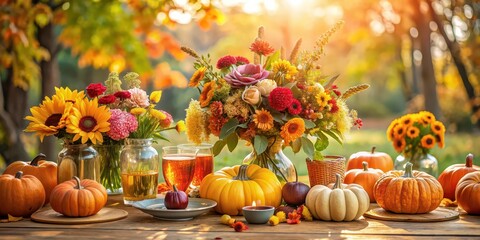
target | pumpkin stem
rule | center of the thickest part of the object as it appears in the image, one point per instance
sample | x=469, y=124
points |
x=77, y=180
x=39, y=157
x=365, y=166
x=19, y=174
x=242, y=173
x=175, y=188
x=469, y=160
x=408, y=170
x=373, y=149
x=338, y=181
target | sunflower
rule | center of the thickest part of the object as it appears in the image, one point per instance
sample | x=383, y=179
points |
x=440, y=138
x=292, y=130
x=399, y=131
x=68, y=95
x=48, y=118
x=413, y=132
x=399, y=144
x=407, y=120
x=197, y=77
x=323, y=98
x=207, y=93
x=284, y=68
x=438, y=128
x=88, y=121
x=391, y=127
x=426, y=117
x=428, y=141
x=263, y=119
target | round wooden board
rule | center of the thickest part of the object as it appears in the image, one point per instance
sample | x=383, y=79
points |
x=104, y=215
x=437, y=215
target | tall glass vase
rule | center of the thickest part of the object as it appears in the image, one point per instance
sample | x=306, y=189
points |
x=110, y=167
x=274, y=159
x=79, y=160
x=421, y=162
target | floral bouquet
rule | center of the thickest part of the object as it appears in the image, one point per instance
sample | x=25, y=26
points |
x=271, y=102
x=414, y=135
x=133, y=115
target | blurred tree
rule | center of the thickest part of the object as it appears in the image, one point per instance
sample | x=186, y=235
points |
x=104, y=34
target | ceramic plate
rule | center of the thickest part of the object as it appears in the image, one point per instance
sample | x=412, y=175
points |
x=156, y=208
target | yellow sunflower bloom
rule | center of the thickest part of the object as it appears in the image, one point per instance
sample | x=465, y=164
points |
x=399, y=131
x=437, y=128
x=323, y=98
x=263, y=119
x=426, y=117
x=88, y=121
x=197, y=77
x=284, y=68
x=440, y=138
x=292, y=130
x=413, y=132
x=390, y=129
x=407, y=120
x=428, y=141
x=49, y=117
x=68, y=95
x=399, y=144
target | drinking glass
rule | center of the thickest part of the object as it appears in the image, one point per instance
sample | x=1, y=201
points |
x=178, y=166
x=203, y=161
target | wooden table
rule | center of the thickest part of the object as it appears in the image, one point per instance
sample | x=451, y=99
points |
x=140, y=225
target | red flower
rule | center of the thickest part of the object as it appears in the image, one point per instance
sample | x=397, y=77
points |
x=95, y=89
x=295, y=108
x=294, y=218
x=241, y=60
x=334, y=105
x=107, y=99
x=239, y=226
x=226, y=61
x=358, y=123
x=216, y=118
x=167, y=121
x=280, y=98
x=123, y=95
x=261, y=47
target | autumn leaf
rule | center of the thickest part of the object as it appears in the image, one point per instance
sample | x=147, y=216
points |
x=165, y=77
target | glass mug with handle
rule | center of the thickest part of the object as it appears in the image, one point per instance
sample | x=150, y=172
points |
x=178, y=166
x=203, y=162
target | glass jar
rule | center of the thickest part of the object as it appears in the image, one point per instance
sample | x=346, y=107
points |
x=110, y=167
x=274, y=159
x=79, y=160
x=421, y=162
x=139, y=164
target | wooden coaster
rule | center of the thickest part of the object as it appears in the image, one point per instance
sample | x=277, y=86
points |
x=104, y=215
x=437, y=215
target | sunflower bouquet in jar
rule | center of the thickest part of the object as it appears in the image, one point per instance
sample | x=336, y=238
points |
x=270, y=101
x=413, y=136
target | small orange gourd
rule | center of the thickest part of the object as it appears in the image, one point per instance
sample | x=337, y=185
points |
x=378, y=160
x=408, y=191
x=77, y=198
x=468, y=193
x=45, y=171
x=20, y=195
x=452, y=174
x=366, y=177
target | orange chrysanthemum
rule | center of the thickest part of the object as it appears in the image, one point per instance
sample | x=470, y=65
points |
x=438, y=128
x=428, y=141
x=261, y=47
x=292, y=130
x=413, y=132
x=197, y=77
x=207, y=94
x=399, y=144
x=263, y=119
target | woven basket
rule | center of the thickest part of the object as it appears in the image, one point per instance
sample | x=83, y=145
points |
x=323, y=172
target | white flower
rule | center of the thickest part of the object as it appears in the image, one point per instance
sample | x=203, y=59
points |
x=266, y=86
x=139, y=98
x=251, y=95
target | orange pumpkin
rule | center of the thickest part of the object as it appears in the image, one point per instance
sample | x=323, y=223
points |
x=452, y=174
x=366, y=177
x=20, y=195
x=77, y=198
x=378, y=160
x=468, y=193
x=408, y=191
x=45, y=171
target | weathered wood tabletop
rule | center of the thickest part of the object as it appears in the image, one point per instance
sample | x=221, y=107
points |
x=141, y=225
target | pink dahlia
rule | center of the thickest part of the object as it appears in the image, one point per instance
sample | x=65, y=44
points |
x=95, y=89
x=226, y=61
x=121, y=124
x=245, y=75
x=295, y=108
x=280, y=98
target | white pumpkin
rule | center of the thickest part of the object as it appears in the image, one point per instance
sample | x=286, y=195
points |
x=337, y=202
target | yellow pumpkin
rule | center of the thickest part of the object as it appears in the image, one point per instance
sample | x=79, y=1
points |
x=238, y=186
x=340, y=202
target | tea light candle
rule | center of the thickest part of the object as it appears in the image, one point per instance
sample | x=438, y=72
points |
x=257, y=214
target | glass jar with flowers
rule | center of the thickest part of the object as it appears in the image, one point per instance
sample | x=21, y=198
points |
x=272, y=103
x=413, y=136
x=79, y=122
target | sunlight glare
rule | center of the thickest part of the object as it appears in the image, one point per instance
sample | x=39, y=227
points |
x=180, y=16
x=468, y=11
x=252, y=7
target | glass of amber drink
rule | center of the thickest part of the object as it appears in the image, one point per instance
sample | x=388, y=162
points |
x=203, y=161
x=178, y=166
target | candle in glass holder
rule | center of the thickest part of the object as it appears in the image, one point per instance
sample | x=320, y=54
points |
x=257, y=214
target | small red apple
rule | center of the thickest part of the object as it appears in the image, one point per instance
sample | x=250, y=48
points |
x=176, y=199
x=295, y=193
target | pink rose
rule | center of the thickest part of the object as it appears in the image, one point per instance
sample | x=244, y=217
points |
x=245, y=75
